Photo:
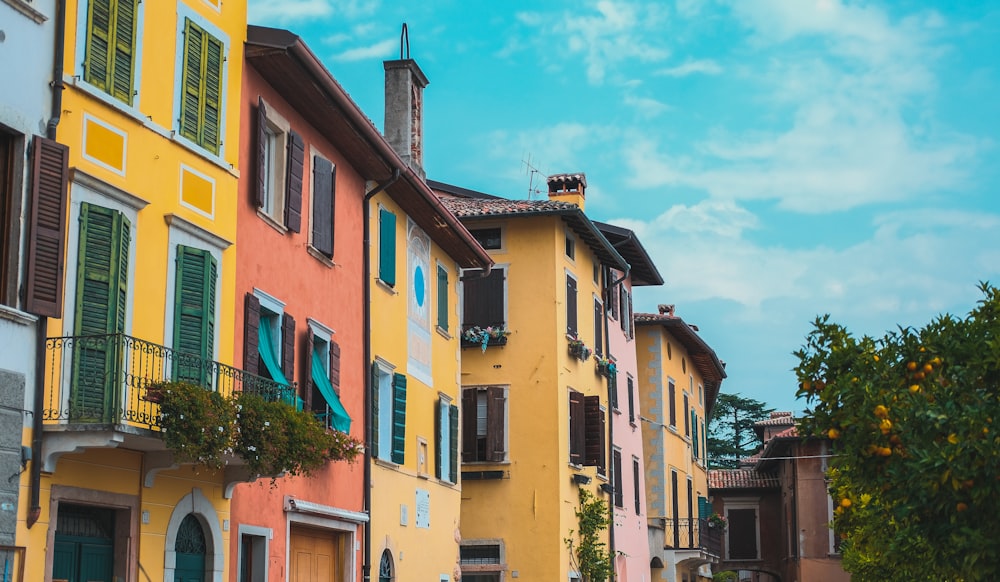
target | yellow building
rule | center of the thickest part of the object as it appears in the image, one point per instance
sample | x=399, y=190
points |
x=679, y=380
x=417, y=250
x=534, y=406
x=150, y=114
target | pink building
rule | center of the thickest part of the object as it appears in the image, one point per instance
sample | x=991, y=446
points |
x=630, y=531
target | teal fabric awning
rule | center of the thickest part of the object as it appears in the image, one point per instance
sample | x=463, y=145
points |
x=265, y=346
x=339, y=419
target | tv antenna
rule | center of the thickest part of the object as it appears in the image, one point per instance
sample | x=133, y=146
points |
x=533, y=174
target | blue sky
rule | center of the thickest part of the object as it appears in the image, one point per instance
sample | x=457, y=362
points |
x=779, y=159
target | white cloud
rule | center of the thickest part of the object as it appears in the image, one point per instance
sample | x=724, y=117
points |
x=691, y=67
x=268, y=12
x=380, y=49
x=556, y=149
x=646, y=107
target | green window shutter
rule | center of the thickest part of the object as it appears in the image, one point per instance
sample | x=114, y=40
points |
x=211, y=120
x=101, y=304
x=100, y=31
x=439, y=445
x=442, y=297
x=123, y=64
x=194, y=312
x=694, y=435
x=374, y=416
x=387, y=247
x=453, y=445
x=398, y=418
x=191, y=82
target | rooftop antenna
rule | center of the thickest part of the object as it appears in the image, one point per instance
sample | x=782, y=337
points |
x=532, y=172
x=404, y=41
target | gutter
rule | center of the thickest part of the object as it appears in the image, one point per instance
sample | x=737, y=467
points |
x=366, y=565
x=42, y=326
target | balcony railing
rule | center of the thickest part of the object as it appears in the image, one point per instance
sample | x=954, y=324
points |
x=103, y=379
x=689, y=533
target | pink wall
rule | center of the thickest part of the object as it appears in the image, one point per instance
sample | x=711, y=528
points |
x=279, y=264
x=631, y=535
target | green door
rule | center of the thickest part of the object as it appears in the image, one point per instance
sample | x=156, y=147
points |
x=84, y=544
x=190, y=548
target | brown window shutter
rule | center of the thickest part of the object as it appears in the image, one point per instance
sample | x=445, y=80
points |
x=468, y=425
x=614, y=301
x=594, y=435
x=483, y=299
x=335, y=366
x=307, y=380
x=618, y=481
x=46, y=244
x=296, y=167
x=598, y=328
x=260, y=185
x=631, y=326
x=251, y=322
x=571, y=305
x=288, y=347
x=577, y=428
x=322, y=206
x=495, y=450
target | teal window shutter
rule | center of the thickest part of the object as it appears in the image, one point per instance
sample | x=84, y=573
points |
x=340, y=420
x=453, y=445
x=101, y=304
x=694, y=440
x=194, y=312
x=439, y=453
x=387, y=247
x=398, y=418
x=704, y=507
x=442, y=298
x=375, y=411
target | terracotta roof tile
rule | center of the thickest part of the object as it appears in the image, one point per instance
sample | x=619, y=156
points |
x=477, y=207
x=785, y=419
x=740, y=479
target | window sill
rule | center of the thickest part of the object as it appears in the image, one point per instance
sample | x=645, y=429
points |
x=633, y=424
x=267, y=218
x=386, y=287
x=616, y=410
x=446, y=483
x=386, y=464
x=17, y=316
x=319, y=256
x=442, y=332
x=484, y=463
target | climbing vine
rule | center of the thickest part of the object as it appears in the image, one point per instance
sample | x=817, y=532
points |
x=592, y=557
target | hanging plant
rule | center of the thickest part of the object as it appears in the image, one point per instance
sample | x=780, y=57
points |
x=591, y=555
x=485, y=336
x=606, y=367
x=196, y=423
x=578, y=349
x=716, y=520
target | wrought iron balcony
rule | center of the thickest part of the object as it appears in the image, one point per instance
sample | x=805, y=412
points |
x=690, y=533
x=104, y=380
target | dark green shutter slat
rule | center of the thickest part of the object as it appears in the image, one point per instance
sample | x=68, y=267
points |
x=97, y=64
x=322, y=206
x=194, y=307
x=123, y=69
x=374, y=416
x=453, y=444
x=442, y=298
x=438, y=445
x=398, y=418
x=212, y=107
x=387, y=247
x=190, y=121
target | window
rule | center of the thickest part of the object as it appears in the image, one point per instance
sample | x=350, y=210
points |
x=442, y=298
x=570, y=247
x=386, y=572
x=631, y=399
x=619, y=486
x=587, y=427
x=742, y=532
x=446, y=443
x=672, y=401
x=10, y=214
x=89, y=542
x=481, y=560
x=484, y=298
x=491, y=239
x=322, y=377
x=695, y=441
x=280, y=168
x=46, y=241
x=484, y=424
x=613, y=382
x=597, y=274
x=701, y=394
x=389, y=411
x=571, y=310
x=324, y=202
x=635, y=486
x=194, y=310
x=269, y=339
x=386, y=247
x=109, y=55
x=253, y=553
x=626, y=312
x=201, y=94
x=613, y=302
x=687, y=421
x=598, y=327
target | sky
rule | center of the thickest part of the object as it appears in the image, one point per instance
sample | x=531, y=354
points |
x=779, y=159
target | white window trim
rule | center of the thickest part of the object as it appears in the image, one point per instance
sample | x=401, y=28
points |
x=452, y=317
x=81, y=55
x=444, y=413
x=503, y=235
x=505, y=267
x=744, y=503
x=506, y=424
x=278, y=125
x=570, y=236
x=256, y=531
x=185, y=12
x=277, y=307
x=385, y=436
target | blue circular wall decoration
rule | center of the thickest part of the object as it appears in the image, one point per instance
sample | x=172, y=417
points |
x=418, y=285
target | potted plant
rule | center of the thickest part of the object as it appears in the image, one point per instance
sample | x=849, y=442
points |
x=716, y=520
x=485, y=336
x=196, y=422
x=578, y=349
x=606, y=367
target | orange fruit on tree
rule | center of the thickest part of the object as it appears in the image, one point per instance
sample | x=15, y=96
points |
x=885, y=451
x=911, y=366
x=833, y=433
x=881, y=411
x=914, y=388
x=961, y=507
x=845, y=503
x=928, y=368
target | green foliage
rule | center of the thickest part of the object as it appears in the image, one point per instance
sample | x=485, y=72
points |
x=592, y=557
x=728, y=576
x=273, y=438
x=918, y=456
x=731, y=434
x=196, y=422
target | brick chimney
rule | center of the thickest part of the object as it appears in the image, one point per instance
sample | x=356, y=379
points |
x=568, y=188
x=404, y=111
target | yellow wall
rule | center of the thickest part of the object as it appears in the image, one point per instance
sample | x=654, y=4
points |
x=539, y=497
x=419, y=554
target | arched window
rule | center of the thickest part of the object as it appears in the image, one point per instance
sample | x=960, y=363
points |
x=385, y=573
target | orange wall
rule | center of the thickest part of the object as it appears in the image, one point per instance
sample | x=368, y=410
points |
x=279, y=264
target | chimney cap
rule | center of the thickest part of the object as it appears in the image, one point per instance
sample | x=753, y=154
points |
x=566, y=181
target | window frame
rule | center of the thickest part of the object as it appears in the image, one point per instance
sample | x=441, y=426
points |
x=501, y=247
x=465, y=274
x=672, y=403
x=572, y=308
x=274, y=183
x=742, y=504
x=185, y=13
x=80, y=72
x=619, y=481
x=446, y=441
x=314, y=221
x=471, y=420
x=385, y=425
x=261, y=551
x=443, y=296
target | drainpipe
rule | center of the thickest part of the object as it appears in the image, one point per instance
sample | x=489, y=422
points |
x=366, y=566
x=41, y=327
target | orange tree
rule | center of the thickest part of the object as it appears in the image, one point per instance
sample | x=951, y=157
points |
x=916, y=472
